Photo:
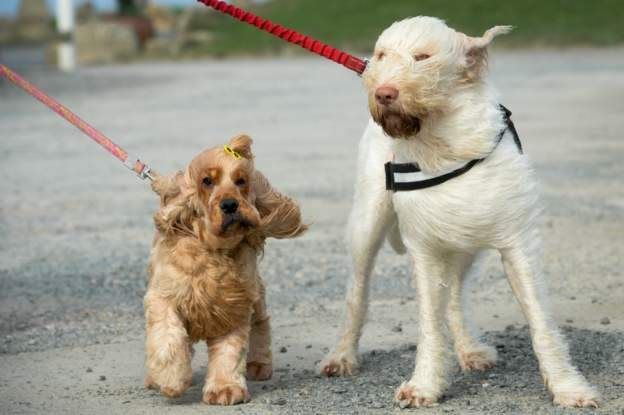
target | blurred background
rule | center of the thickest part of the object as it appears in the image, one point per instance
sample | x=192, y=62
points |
x=108, y=31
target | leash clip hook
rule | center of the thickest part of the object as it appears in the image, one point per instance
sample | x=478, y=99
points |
x=136, y=165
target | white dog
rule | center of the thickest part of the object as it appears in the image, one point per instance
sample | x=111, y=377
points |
x=439, y=122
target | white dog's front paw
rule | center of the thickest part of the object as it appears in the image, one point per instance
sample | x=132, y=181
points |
x=581, y=399
x=339, y=364
x=572, y=391
x=411, y=396
x=480, y=358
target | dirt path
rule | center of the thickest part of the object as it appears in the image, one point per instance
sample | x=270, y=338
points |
x=76, y=229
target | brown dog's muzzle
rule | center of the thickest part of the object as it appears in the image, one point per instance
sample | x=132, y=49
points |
x=236, y=215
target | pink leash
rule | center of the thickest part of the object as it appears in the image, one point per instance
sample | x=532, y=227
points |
x=133, y=163
x=351, y=62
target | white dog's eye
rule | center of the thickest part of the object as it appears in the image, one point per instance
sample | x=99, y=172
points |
x=421, y=57
x=380, y=56
x=207, y=181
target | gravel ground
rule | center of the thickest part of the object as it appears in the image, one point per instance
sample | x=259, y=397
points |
x=76, y=229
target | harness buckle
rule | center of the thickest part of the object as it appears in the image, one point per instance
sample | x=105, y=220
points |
x=389, y=176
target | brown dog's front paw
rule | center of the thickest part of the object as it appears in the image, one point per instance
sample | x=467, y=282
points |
x=259, y=371
x=226, y=395
x=172, y=393
x=149, y=383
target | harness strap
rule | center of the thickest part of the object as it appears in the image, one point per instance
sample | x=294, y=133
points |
x=511, y=127
x=422, y=184
x=392, y=168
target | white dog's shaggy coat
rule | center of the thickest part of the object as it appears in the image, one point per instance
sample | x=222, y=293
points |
x=427, y=88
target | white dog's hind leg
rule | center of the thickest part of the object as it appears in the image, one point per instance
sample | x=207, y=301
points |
x=568, y=386
x=430, y=375
x=471, y=353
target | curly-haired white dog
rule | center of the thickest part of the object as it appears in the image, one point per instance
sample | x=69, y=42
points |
x=439, y=122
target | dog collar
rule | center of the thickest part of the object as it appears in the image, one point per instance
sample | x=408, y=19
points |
x=401, y=177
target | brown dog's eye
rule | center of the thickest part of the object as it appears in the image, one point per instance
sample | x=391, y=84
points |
x=240, y=182
x=421, y=57
x=207, y=181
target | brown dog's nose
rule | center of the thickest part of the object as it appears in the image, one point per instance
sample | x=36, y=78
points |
x=229, y=205
x=386, y=95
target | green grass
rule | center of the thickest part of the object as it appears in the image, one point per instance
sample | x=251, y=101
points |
x=355, y=24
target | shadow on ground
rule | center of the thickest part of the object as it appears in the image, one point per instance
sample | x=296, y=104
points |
x=599, y=355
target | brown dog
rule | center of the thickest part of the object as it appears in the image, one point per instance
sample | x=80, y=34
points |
x=203, y=277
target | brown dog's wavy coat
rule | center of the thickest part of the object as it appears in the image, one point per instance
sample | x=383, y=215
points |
x=203, y=279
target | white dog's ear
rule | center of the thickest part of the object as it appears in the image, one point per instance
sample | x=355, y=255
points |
x=475, y=50
x=488, y=37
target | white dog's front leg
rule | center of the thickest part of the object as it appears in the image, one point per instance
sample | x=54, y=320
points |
x=371, y=215
x=568, y=386
x=430, y=375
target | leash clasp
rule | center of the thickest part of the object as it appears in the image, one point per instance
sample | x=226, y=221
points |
x=366, y=62
x=136, y=165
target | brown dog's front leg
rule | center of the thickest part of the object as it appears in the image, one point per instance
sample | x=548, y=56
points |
x=225, y=381
x=168, y=350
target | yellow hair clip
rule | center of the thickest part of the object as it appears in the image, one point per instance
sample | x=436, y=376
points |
x=229, y=150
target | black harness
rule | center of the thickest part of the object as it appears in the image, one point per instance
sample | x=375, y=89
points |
x=402, y=186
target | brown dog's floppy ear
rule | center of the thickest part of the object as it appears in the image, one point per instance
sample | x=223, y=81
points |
x=242, y=145
x=167, y=187
x=476, y=50
x=179, y=209
x=280, y=216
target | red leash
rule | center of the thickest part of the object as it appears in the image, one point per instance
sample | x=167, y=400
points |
x=355, y=64
x=133, y=163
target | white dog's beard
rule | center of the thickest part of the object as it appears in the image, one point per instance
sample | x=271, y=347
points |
x=395, y=123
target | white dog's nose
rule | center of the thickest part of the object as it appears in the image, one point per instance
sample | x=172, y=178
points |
x=386, y=95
